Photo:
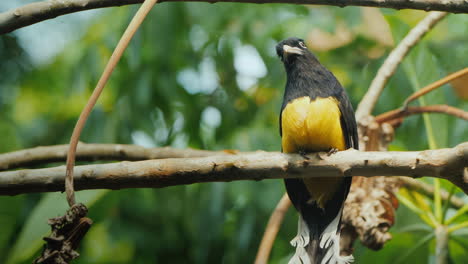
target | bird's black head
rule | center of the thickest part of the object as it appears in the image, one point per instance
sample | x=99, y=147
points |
x=291, y=49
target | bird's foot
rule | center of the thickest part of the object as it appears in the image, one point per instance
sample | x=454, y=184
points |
x=303, y=154
x=332, y=151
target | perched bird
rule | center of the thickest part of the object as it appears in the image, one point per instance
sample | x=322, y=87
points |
x=316, y=115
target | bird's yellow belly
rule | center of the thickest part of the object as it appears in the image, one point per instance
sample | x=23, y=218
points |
x=311, y=126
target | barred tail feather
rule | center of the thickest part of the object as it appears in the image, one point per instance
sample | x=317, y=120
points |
x=300, y=242
x=330, y=243
x=324, y=251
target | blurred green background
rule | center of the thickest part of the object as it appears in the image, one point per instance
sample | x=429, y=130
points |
x=206, y=76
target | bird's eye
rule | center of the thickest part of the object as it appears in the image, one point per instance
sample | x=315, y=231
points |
x=302, y=45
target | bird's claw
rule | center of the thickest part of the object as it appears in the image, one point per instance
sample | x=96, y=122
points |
x=303, y=154
x=332, y=151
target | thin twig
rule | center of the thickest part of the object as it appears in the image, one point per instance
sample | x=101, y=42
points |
x=398, y=114
x=434, y=86
x=390, y=65
x=114, y=59
x=442, y=163
x=40, y=11
x=273, y=226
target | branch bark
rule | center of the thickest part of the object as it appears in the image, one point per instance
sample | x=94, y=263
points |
x=93, y=152
x=36, y=12
x=120, y=152
x=443, y=163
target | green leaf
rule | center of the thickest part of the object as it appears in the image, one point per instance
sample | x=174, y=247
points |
x=404, y=196
x=99, y=247
x=458, y=248
x=459, y=213
x=447, y=203
x=415, y=228
x=459, y=226
x=51, y=205
x=10, y=209
x=405, y=255
x=438, y=201
x=419, y=77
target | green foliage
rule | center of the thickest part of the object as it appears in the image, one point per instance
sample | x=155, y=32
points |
x=182, y=82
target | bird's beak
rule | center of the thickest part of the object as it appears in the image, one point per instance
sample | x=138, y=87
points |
x=291, y=50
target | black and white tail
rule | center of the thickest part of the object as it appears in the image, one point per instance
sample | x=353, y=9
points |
x=318, y=235
x=322, y=249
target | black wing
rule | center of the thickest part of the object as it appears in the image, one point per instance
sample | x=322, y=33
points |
x=348, y=120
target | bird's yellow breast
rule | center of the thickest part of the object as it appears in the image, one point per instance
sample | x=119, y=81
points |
x=309, y=126
x=312, y=125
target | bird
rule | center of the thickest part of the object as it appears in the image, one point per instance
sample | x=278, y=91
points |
x=316, y=115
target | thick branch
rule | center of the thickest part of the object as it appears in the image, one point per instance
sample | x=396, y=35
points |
x=40, y=11
x=92, y=152
x=393, y=61
x=443, y=163
x=110, y=152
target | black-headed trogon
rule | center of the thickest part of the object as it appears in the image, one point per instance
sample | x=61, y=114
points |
x=316, y=115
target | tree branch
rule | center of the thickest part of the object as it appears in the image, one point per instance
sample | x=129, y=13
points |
x=36, y=12
x=93, y=152
x=401, y=113
x=434, y=86
x=443, y=163
x=393, y=61
x=273, y=226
